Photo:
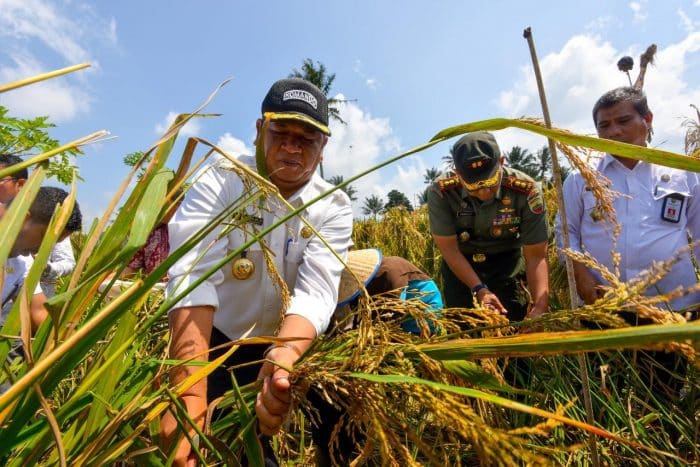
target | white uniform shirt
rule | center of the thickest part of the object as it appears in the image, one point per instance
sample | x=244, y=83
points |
x=646, y=236
x=16, y=270
x=309, y=269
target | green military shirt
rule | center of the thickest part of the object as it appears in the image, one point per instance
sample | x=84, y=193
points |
x=514, y=217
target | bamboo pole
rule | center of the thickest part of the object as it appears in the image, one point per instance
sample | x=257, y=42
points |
x=556, y=169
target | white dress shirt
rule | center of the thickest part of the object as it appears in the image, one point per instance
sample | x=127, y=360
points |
x=15, y=270
x=646, y=235
x=308, y=267
x=61, y=263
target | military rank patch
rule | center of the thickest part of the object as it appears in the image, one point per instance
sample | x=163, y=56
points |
x=534, y=201
x=445, y=184
x=518, y=184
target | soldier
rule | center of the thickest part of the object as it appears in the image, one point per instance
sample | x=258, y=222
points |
x=490, y=225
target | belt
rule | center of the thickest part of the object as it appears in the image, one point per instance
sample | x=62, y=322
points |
x=483, y=257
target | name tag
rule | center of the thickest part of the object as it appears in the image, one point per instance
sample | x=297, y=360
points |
x=672, y=208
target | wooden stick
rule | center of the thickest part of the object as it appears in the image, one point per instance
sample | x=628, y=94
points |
x=556, y=170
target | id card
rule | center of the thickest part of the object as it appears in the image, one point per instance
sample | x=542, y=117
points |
x=672, y=208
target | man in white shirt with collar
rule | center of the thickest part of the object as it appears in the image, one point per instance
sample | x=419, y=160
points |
x=659, y=204
x=241, y=295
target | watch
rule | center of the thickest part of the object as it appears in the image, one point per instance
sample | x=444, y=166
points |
x=478, y=287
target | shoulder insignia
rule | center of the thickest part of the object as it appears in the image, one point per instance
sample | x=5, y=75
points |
x=518, y=184
x=445, y=184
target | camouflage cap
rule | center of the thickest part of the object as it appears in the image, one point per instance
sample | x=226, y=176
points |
x=476, y=157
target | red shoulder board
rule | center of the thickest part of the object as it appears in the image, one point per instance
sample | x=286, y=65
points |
x=446, y=184
x=518, y=184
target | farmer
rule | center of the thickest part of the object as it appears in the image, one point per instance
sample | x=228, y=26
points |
x=490, y=225
x=61, y=261
x=242, y=297
x=657, y=206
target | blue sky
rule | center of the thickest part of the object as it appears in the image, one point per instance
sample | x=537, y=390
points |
x=411, y=68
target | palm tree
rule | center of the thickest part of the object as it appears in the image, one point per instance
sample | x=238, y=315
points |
x=423, y=197
x=373, y=206
x=431, y=175
x=523, y=160
x=448, y=161
x=545, y=161
x=318, y=75
x=348, y=189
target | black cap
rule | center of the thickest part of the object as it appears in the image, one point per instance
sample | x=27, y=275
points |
x=476, y=156
x=297, y=99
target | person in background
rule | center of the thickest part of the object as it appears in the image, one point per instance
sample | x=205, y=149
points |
x=658, y=208
x=62, y=260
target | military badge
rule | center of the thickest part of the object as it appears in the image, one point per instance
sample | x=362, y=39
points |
x=445, y=184
x=534, y=201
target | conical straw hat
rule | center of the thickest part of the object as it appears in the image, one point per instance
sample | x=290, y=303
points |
x=364, y=264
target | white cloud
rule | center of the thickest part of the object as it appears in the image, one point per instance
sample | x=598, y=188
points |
x=599, y=24
x=370, y=81
x=28, y=26
x=233, y=145
x=37, y=19
x=585, y=68
x=638, y=10
x=686, y=21
x=366, y=141
x=55, y=98
x=191, y=128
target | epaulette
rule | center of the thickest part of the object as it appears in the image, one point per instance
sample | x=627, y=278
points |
x=518, y=184
x=445, y=184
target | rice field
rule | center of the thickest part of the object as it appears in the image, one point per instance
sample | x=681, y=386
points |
x=93, y=383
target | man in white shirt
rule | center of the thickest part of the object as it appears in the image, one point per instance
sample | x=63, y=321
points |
x=241, y=295
x=27, y=244
x=62, y=261
x=657, y=207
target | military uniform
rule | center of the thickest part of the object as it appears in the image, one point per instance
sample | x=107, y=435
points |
x=490, y=235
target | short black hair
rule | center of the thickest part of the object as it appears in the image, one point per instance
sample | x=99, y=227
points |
x=8, y=160
x=622, y=94
x=45, y=203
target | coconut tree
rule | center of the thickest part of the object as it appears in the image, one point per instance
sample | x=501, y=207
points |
x=318, y=75
x=431, y=175
x=348, y=189
x=373, y=206
x=523, y=160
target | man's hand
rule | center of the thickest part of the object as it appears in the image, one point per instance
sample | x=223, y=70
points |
x=489, y=300
x=274, y=400
x=169, y=431
x=587, y=285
